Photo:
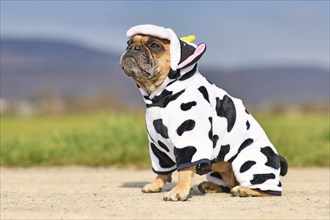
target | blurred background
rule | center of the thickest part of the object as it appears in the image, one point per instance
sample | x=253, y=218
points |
x=63, y=93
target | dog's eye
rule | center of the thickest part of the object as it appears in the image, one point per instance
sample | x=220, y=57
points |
x=154, y=46
x=129, y=42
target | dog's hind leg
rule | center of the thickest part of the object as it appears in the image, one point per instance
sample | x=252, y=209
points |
x=226, y=172
x=242, y=191
x=210, y=187
x=222, y=179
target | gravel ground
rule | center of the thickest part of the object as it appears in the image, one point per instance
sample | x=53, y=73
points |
x=108, y=193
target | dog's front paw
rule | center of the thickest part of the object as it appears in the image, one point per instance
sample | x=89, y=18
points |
x=158, y=184
x=177, y=194
x=152, y=188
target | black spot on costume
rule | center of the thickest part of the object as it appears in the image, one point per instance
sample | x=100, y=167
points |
x=160, y=128
x=187, y=106
x=187, y=125
x=226, y=108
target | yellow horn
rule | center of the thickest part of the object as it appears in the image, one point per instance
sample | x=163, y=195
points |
x=189, y=38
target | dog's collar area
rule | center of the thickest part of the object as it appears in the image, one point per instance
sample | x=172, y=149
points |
x=182, y=74
x=165, y=89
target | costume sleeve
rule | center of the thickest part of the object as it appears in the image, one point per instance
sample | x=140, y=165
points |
x=161, y=162
x=190, y=130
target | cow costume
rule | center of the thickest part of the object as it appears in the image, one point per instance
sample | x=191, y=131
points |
x=190, y=121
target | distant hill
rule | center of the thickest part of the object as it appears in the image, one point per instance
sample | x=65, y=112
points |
x=44, y=56
x=30, y=66
x=295, y=84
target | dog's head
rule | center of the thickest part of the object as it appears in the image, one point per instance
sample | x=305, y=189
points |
x=153, y=52
x=146, y=59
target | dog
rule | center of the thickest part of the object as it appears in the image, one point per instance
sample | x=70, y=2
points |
x=194, y=126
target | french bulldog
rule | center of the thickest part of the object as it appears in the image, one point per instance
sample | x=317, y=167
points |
x=194, y=126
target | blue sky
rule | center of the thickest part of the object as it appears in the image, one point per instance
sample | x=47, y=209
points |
x=238, y=33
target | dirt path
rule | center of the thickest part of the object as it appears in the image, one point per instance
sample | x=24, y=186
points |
x=107, y=193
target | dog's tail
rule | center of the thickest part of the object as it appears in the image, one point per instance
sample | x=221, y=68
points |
x=284, y=166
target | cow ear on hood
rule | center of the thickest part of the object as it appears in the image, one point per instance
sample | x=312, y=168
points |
x=190, y=54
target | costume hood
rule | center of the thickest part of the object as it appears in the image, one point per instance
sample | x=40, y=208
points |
x=182, y=53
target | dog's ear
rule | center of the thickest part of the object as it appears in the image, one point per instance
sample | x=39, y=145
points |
x=190, y=54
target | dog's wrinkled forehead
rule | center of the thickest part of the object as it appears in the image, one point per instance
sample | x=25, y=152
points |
x=151, y=44
x=145, y=39
x=182, y=54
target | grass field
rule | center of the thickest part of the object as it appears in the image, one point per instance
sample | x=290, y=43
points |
x=120, y=139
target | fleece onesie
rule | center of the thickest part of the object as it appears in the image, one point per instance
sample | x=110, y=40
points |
x=190, y=121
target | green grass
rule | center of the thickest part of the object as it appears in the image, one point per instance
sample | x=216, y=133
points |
x=303, y=140
x=92, y=140
x=120, y=139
